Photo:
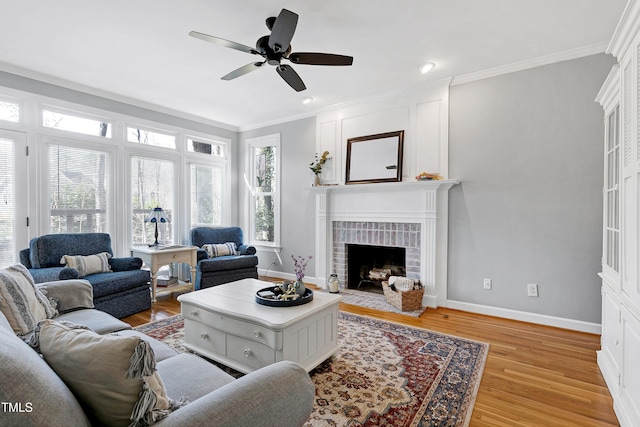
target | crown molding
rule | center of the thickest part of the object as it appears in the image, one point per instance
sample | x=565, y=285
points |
x=566, y=55
x=626, y=30
x=67, y=84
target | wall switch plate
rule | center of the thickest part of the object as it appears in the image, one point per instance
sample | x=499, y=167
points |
x=487, y=284
x=532, y=290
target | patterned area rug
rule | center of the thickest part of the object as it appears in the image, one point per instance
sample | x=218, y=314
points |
x=384, y=374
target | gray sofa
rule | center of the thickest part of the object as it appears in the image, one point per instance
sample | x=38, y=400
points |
x=213, y=271
x=281, y=394
x=121, y=292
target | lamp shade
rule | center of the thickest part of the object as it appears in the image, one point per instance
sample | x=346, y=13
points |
x=157, y=215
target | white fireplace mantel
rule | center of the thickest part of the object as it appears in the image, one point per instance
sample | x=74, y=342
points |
x=419, y=202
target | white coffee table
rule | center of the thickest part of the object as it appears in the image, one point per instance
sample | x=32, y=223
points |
x=224, y=323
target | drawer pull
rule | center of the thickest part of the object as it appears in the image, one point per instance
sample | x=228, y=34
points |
x=256, y=334
x=204, y=336
x=194, y=313
x=247, y=352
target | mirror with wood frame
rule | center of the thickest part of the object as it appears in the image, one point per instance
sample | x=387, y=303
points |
x=375, y=158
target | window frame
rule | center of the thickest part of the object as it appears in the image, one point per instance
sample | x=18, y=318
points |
x=176, y=216
x=45, y=144
x=250, y=167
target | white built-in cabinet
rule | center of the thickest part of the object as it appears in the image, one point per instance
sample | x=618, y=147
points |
x=619, y=357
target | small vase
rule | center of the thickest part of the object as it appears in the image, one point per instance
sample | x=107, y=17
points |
x=300, y=288
x=316, y=181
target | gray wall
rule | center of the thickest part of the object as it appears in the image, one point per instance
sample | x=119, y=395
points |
x=298, y=142
x=527, y=147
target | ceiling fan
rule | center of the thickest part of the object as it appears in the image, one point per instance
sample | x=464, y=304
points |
x=276, y=47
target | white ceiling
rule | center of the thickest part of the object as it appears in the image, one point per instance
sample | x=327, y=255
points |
x=139, y=50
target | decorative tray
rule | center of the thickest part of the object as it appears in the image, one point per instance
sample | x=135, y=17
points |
x=305, y=298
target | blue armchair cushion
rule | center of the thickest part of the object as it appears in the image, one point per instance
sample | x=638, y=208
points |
x=229, y=262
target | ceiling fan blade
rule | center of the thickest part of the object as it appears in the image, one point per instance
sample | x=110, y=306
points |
x=283, y=30
x=243, y=70
x=223, y=42
x=313, y=58
x=291, y=77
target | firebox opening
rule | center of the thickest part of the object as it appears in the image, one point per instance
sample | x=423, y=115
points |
x=368, y=266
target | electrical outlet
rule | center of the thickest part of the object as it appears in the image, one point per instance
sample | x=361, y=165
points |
x=532, y=290
x=487, y=284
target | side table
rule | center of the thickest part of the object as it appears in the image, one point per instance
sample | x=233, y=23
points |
x=157, y=256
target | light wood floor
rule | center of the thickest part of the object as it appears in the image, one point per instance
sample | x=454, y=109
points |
x=534, y=375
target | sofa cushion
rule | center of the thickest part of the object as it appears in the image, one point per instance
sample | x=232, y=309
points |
x=114, y=376
x=229, y=262
x=97, y=320
x=22, y=303
x=26, y=379
x=90, y=264
x=220, y=249
x=176, y=369
x=116, y=282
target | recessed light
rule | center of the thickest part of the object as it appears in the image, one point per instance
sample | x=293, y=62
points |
x=428, y=66
x=307, y=99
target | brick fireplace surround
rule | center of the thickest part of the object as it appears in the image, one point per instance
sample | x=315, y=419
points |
x=413, y=215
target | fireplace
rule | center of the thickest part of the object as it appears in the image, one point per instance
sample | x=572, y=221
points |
x=409, y=215
x=368, y=266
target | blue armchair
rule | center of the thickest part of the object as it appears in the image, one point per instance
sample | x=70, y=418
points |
x=121, y=291
x=216, y=270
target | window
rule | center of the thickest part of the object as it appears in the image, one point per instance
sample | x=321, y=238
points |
x=206, y=194
x=611, y=197
x=264, y=186
x=147, y=137
x=9, y=112
x=78, y=190
x=72, y=123
x=205, y=147
x=152, y=185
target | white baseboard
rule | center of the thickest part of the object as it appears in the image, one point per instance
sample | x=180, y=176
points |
x=541, y=319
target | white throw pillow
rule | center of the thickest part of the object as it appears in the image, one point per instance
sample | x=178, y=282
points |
x=114, y=376
x=22, y=303
x=86, y=265
x=221, y=249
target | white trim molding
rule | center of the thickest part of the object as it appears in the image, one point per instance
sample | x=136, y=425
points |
x=523, y=316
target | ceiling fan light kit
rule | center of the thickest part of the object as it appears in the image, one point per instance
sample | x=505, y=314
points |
x=276, y=47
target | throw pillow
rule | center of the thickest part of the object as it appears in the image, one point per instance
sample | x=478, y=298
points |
x=221, y=249
x=86, y=265
x=22, y=303
x=115, y=377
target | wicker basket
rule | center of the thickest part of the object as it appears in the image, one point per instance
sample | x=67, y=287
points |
x=403, y=300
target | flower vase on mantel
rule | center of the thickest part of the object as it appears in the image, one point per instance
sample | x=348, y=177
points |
x=300, y=288
x=316, y=181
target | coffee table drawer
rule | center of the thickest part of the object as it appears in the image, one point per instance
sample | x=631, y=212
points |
x=249, y=353
x=204, y=338
x=235, y=327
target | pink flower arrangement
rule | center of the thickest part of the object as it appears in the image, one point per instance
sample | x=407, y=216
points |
x=299, y=264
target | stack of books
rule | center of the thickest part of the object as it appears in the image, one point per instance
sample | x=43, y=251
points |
x=166, y=281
